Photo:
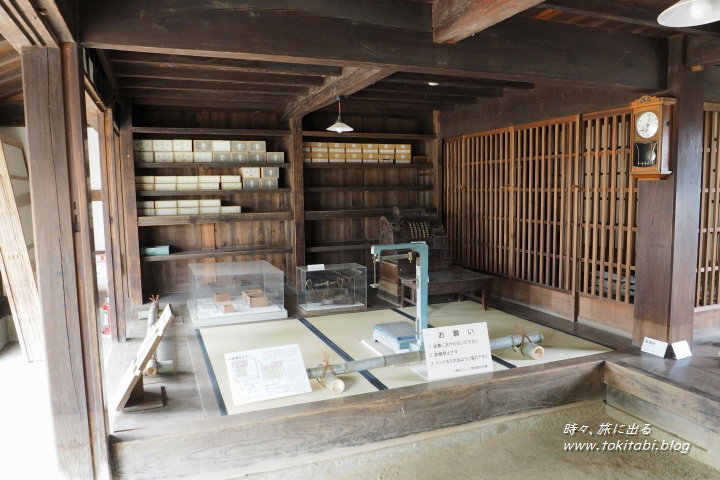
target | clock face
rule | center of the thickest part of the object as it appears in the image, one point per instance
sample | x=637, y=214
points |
x=646, y=124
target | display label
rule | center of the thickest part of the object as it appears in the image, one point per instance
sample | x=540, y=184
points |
x=457, y=351
x=654, y=347
x=681, y=350
x=316, y=268
x=266, y=373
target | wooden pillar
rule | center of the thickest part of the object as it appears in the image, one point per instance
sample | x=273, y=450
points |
x=54, y=111
x=132, y=245
x=298, y=193
x=668, y=218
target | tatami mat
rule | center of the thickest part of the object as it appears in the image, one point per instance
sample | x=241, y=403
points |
x=557, y=345
x=347, y=331
x=235, y=338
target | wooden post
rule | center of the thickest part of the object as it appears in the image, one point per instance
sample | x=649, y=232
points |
x=668, y=218
x=298, y=195
x=63, y=244
x=132, y=245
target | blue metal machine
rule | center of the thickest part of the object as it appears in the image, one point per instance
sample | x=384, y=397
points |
x=403, y=336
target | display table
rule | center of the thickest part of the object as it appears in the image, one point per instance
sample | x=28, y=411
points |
x=462, y=282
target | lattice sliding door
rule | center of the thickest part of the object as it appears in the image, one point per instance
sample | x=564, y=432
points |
x=607, y=252
x=709, y=241
x=546, y=168
x=453, y=197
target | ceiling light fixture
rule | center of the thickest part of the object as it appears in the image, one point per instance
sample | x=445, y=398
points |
x=689, y=13
x=339, y=126
x=433, y=84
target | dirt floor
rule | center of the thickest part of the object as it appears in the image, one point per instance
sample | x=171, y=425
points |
x=522, y=448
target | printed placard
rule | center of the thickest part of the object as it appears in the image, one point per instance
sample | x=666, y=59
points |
x=457, y=351
x=654, y=347
x=266, y=373
x=316, y=268
x=681, y=350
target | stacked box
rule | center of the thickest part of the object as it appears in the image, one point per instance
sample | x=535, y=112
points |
x=239, y=146
x=221, y=145
x=307, y=152
x=403, y=153
x=251, y=183
x=250, y=172
x=142, y=145
x=231, y=182
x=162, y=146
x=230, y=209
x=145, y=183
x=202, y=146
x=240, y=157
x=268, y=183
x=202, y=157
x=258, y=157
x=164, y=157
x=183, y=157
x=269, y=172
x=222, y=156
x=256, y=146
x=275, y=157
x=182, y=145
x=145, y=157
x=166, y=207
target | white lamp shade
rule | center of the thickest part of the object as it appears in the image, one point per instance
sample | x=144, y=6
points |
x=689, y=13
x=339, y=127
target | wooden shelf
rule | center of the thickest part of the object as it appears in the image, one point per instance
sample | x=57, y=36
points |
x=368, y=165
x=341, y=246
x=351, y=213
x=214, y=132
x=209, y=165
x=378, y=136
x=370, y=189
x=178, y=193
x=219, y=252
x=210, y=218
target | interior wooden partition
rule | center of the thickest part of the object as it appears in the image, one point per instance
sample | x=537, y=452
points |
x=542, y=205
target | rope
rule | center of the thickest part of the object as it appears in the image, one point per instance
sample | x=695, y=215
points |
x=522, y=340
x=326, y=365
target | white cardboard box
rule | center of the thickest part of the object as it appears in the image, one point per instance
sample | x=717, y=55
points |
x=162, y=146
x=202, y=157
x=164, y=157
x=188, y=203
x=208, y=186
x=213, y=202
x=182, y=145
x=184, y=157
x=165, y=187
x=239, y=146
x=146, y=157
x=257, y=146
x=186, y=187
x=209, y=210
x=189, y=211
x=221, y=145
x=276, y=157
x=142, y=145
x=187, y=179
x=165, y=203
x=250, y=172
x=202, y=146
x=166, y=211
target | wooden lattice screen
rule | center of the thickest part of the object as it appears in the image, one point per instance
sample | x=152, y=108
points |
x=546, y=201
x=607, y=251
x=709, y=242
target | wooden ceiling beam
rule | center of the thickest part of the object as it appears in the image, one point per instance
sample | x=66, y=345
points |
x=352, y=80
x=183, y=103
x=206, y=94
x=349, y=104
x=424, y=88
x=246, y=87
x=403, y=97
x=141, y=71
x=703, y=51
x=456, y=20
x=23, y=27
x=467, y=82
x=222, y=64
x=631, y=13
x=518, y=49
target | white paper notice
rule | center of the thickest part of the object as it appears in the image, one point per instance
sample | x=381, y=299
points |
x=266, y=373
x=317, y=267
x=654, y=347
x=457, y=351
x=681, y=350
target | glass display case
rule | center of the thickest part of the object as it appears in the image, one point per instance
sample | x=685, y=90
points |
x=235, y=292
x=326, y=288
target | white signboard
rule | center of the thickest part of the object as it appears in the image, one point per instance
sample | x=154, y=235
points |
x=266, y=373
x=681, y=350
x=457, y=351
x=654, y=347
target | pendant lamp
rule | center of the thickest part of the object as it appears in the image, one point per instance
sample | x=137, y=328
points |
x=689, y=13
x=339, y=126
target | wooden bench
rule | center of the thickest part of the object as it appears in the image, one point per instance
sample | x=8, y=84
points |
x=462, y=282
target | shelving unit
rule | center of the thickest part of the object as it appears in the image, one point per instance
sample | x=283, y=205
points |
x=343, y=201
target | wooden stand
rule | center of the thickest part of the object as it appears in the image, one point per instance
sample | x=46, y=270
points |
x=461, y=282
x=134, y=395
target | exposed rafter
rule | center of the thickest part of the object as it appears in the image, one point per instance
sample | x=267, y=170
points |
x=351, y=81
x=455, y=20
x=23, y=27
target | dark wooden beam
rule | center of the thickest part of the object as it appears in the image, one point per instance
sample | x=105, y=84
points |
x=12, y=114
x=350, y=104
x=164, y=72
x=455, y=20
x=206, y=94
x=21, y=25
x=420, y=88
x=403, y=97
x=60, y=16
x=375, y=109
x=351, y=81
x=703, y=51
x=518, y=49
x=174, y=84
x=222, y=64
x=668, y=219
x=461, y=82
x=205, y=104
x=109, y=73
x=632, y=13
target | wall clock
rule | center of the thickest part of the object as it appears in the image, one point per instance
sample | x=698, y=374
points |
x=650, y=138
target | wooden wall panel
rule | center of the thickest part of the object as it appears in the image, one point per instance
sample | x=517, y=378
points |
x=708, y=265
